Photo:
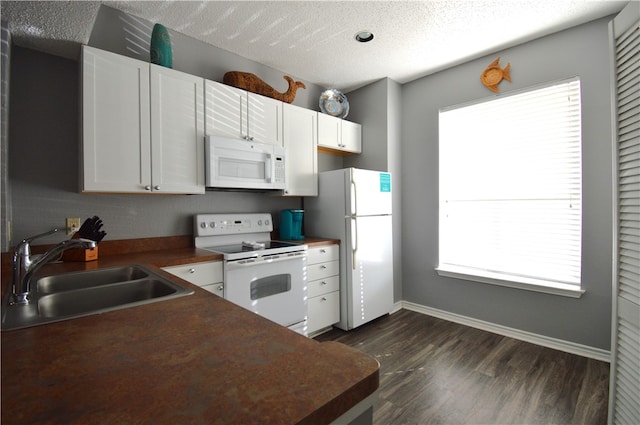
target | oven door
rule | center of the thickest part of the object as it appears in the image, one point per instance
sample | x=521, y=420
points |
x=274, y=287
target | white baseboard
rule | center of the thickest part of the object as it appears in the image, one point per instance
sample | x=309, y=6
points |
x=397, y=307
x=545, y=341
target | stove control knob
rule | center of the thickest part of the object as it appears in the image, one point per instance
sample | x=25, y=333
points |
x=212, y=224
x=266, y=222
x=259, y=222
x=203, y=225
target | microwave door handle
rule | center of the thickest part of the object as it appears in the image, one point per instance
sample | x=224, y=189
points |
x=268, y=165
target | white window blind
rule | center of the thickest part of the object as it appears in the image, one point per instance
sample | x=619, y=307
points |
x=511, y=187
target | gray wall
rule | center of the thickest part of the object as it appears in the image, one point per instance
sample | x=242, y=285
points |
x=44, y=165
x=378, y=108
x=128, y=35
x=44, y=140
x=43, y=170
x=581, y=51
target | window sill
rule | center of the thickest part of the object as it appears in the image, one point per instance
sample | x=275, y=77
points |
x=526, y=284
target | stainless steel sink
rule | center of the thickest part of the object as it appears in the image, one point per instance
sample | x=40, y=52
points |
x=77, y=294
x=90, y=278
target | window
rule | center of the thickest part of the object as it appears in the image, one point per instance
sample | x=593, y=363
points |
x=510, y=190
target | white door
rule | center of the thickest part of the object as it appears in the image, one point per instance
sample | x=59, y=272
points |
x=329, y=131
x=369, y=268
x=351, y=136
x=370, y=192
x=264, y=119
x=115, y=122
x=300, y=141
x=177, y=132
x=225, y=110
x=624, y=389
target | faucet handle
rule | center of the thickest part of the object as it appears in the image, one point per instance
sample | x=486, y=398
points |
x=41, y=235
x=23, y=246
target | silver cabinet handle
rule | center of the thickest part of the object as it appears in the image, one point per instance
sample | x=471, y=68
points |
x=324, y=298
x=323, y=266
x=156, y=187
x=323, y=282
x=147, y=187
x=323, y=251
x=192, y=270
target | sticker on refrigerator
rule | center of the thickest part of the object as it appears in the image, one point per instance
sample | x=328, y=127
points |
x=385, y=182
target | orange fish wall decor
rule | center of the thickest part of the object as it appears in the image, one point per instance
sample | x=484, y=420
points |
x=493, y=75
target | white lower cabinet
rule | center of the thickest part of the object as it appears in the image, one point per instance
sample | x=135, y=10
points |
x=207, y=275
x=323, y=272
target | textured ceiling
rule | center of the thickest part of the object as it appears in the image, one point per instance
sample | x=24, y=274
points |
x=314, y=40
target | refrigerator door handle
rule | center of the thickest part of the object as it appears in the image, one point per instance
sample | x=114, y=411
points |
x=354, y=242
x=354, y=204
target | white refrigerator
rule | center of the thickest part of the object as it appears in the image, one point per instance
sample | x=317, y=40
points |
x=354, y=206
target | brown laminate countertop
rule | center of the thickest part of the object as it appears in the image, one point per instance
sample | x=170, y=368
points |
x=191, y=360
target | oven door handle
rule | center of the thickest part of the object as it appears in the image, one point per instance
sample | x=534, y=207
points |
x=265, y=260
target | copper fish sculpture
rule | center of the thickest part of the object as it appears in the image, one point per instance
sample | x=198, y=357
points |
x=493, y=75
x=251, y=82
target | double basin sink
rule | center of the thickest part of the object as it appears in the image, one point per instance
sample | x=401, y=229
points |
x=77, y=294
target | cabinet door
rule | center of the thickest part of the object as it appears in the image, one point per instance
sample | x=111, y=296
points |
x=177, y=132
x=300, y=141
x=264, y=119
x=323, y=311
x=329, y=131
x=115, y=123
x=208, y=275
x=225, y=110
x=351, y=137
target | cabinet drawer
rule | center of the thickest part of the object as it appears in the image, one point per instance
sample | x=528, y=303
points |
x=198, y=273
x=323, y=311
x=322, y=254
x=323, y=286
x=322, y=270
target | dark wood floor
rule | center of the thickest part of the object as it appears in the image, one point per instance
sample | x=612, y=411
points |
x=437, y=372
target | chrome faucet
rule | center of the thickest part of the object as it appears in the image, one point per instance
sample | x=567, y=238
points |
x=25, y=265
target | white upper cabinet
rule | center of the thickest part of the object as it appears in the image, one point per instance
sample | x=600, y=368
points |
x=115, y=122
x=236, y=113
x=300, y=141
x=177, y=131
x=142, y=127
x=339, y=135
x=351, y=136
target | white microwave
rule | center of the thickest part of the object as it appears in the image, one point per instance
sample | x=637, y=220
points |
x=240, y=164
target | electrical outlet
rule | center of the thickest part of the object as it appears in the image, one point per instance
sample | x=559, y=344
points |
x=73, y=225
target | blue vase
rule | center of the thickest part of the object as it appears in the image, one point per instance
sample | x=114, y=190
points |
x=161, y=46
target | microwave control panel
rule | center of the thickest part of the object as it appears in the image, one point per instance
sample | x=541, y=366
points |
x=278, y=168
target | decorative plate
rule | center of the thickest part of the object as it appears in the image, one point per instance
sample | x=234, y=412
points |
x=334, y=103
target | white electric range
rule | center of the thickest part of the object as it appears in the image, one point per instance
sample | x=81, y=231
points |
x=262, y=275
